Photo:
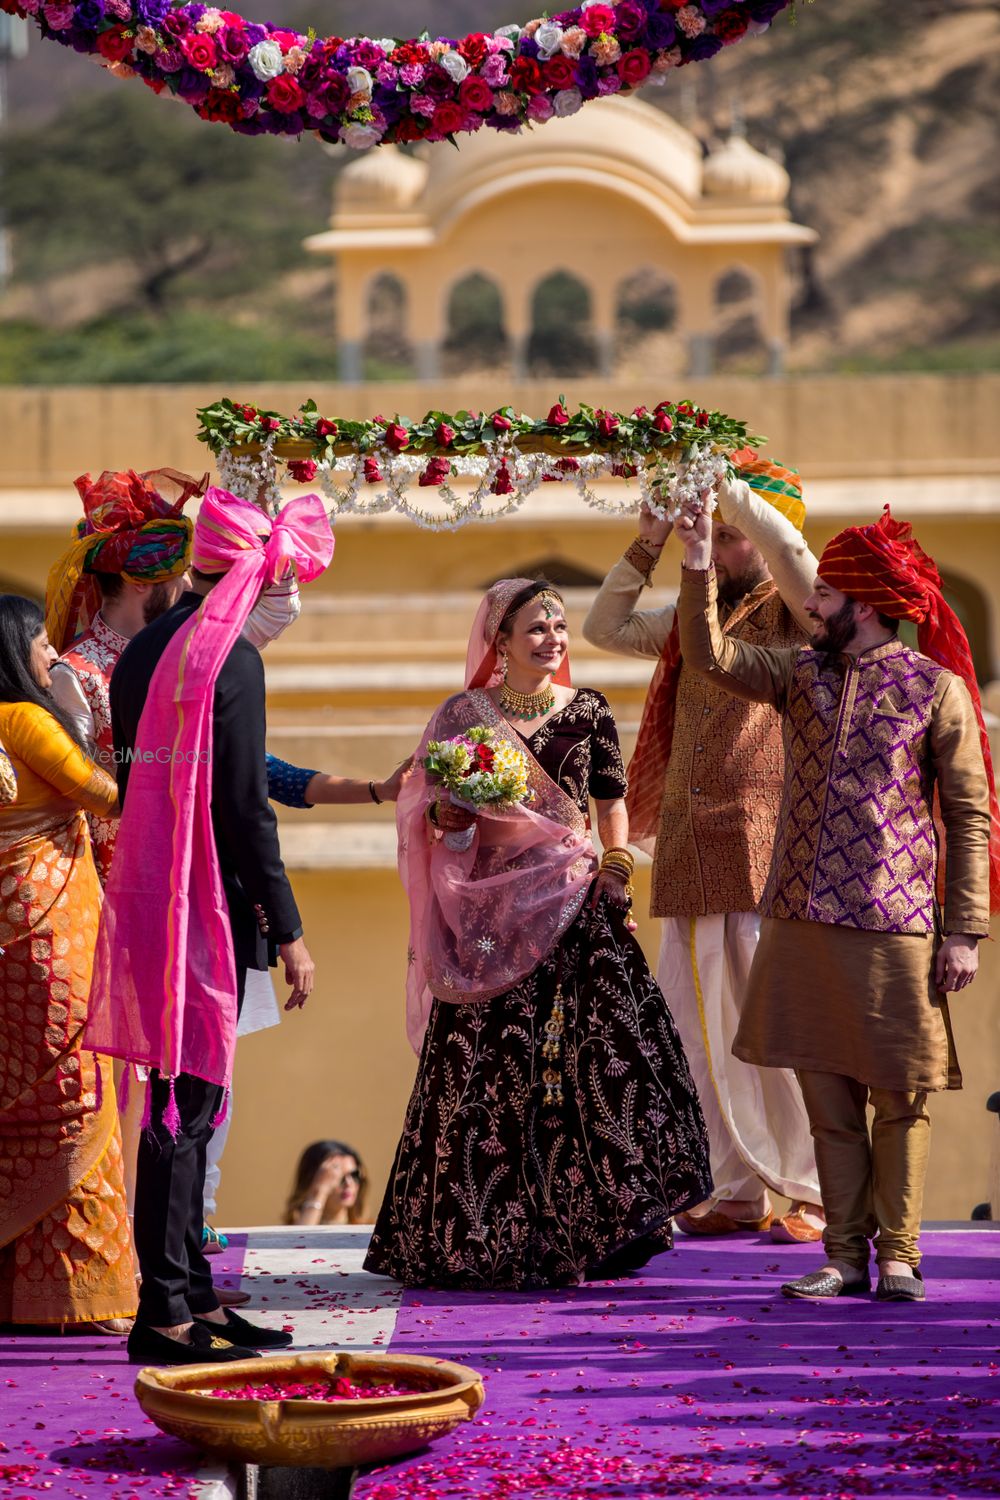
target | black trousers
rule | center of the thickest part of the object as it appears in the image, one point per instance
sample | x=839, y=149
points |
x=169, y=1200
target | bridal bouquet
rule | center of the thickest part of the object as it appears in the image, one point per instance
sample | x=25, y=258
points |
x=475, y=767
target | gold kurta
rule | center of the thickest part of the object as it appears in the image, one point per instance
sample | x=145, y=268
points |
x=835, y=993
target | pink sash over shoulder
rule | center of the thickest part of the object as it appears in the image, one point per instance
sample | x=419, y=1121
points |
x=164, y=990
x=482, y=920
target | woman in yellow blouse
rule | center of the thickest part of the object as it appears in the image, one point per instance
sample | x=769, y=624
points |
x=65, y=1255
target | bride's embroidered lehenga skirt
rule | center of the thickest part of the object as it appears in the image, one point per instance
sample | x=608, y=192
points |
x=536, y=1145
x=65, y=1250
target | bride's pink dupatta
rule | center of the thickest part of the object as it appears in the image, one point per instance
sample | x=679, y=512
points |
x=483, y=919
x=164, y=986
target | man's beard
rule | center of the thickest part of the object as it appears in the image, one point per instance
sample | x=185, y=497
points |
x=156, y=603
x=836, y=633
x=735, y=587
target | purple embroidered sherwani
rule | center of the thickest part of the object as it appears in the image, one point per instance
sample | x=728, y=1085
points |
x=874, y=746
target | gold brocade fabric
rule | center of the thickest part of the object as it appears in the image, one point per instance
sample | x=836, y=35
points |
x=64, y=1236
x=723, y=783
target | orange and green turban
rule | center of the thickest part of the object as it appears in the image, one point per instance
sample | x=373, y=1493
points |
x=132, y=525
x=781, y=487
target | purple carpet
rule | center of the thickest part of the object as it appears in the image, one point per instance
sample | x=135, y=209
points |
x=71, y=1428
x=697, y=1380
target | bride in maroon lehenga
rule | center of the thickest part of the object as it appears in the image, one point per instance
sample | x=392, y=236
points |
x=553, y=1128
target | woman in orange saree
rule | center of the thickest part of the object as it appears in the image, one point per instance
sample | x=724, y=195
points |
x=65, y=1254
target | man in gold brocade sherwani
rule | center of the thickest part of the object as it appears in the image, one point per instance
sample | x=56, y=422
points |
x=848, y=984
x=705, y=783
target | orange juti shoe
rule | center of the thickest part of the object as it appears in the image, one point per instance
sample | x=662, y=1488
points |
x=794, y=1228
x=716, y=1223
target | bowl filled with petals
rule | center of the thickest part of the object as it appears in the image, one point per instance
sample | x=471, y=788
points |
x=320, y=1410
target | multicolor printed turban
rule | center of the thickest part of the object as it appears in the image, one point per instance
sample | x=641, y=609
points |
x=781, y=487
x=883, y=565
x=132, y=525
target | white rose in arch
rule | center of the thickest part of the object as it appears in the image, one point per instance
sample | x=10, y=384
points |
x=359, y=80
x=548, y=38
x=360, y=137
x=454, y=65
x=567, y=102
x=266, y=61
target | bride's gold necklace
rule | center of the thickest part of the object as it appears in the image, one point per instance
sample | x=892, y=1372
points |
x=526, y=705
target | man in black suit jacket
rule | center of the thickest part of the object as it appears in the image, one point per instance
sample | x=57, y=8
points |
x=179, y=1319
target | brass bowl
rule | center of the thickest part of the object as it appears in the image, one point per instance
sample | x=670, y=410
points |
x=315, y=1434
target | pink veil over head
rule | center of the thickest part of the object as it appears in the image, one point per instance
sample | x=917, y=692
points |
x=483, y=919
x=164, y=986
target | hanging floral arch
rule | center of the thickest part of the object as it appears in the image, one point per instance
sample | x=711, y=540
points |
x=362, y=91
x=667, y=454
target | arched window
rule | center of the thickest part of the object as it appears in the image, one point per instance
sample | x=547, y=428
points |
x=476, y=339
x=646, y=343
x=740, y=347
x=388, y=354
x=562, y=337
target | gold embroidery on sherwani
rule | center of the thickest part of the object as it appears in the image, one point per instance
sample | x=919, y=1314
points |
x=723, y=784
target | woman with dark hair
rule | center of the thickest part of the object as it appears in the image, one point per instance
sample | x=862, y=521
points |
x=330, y=1186
x=65, y=1254
x=553, y=1129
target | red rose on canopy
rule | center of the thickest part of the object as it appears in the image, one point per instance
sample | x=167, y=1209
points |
x=326, y=428
x=448, y=117
x=558, y=416
x=607, y=423
x=640, y=411
x=248, y=413
x=597, y=19
x=409, y=54
x=568, y=465
x=408, y=129
x=396, y=437
x=475, y=93
x=114, y=44
x=634, y=66
x=444, y=435
x=526, y=76
x=684, y=410
x=730, y=26
x=559, y=73
x=662, y=422
x=500, y=422
x=285, y=95
x=222, y=106
x=474, y=49
x=270, y=424
x=702, y=419
x=436, y=472
x=303, y=470
x=373, y=474
x=502, y=484
x=200, y=51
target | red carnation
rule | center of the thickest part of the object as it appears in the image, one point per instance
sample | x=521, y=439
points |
x=448, y=117
x=303, y=470
x=474, y=49
x=435, y=474
x=500, y=422
x=702, y=419
x=559, y=72
x=662, y=422
x=396, y=437
x=475, y=93
x=558, y=416
x=526, y=76
x=444, y=435
x=326, y=428
x=373, y=474
x=200, y=51
x=409, y=54
x=114, y=44
x=409, y=129
x=270, y=424
x=597, y=19
x=607, y=423
x=285, y=95
x=730, y=26
x=634, y=66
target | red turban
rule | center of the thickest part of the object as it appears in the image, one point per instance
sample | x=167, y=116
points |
x=884, y=566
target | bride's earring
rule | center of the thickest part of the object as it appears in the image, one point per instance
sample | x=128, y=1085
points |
x=504, y=664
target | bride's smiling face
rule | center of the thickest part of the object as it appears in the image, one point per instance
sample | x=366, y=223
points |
x=538, y=640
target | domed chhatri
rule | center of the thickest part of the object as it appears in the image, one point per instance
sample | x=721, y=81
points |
x=381, y=180
x=293, y=1432
x=739, y=171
